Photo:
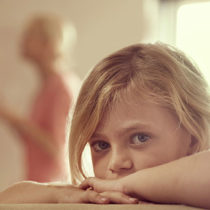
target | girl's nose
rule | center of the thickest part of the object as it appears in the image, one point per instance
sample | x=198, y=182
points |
x=120, y=162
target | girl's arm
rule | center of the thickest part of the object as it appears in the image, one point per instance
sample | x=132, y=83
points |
x=33, y=192
x=183, y=181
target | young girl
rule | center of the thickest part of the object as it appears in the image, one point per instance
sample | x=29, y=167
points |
x=145, y=112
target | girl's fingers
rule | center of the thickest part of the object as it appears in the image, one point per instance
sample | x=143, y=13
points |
x=119, y=198
x=87, y=183
x=76, y=195
x=91, y=196
x=101, y=185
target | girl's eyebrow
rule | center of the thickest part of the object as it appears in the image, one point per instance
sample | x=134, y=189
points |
x=124, y=130
x=98, y=136
x=131, y=128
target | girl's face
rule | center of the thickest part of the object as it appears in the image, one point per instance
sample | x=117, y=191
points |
x=134, y=135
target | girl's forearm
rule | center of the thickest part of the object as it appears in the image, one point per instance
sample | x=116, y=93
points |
x=184, y=181
x=27, y=192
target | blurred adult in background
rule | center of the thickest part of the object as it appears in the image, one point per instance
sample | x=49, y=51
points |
x=46, y=43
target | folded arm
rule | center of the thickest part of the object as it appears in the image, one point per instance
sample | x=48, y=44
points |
x=34, y=192
x=183, y=181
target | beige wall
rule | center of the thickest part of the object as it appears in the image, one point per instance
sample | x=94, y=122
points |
x=102, y=26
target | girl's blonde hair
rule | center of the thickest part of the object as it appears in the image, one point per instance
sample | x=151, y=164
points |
x=158, y=72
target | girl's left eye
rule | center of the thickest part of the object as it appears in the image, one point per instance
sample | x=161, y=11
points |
x=139, y=138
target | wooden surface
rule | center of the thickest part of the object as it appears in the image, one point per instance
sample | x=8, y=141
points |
x=94, y=207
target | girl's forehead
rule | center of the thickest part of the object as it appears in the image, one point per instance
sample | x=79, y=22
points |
x=125, y=103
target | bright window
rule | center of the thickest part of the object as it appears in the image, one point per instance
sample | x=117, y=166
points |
x=193, y=33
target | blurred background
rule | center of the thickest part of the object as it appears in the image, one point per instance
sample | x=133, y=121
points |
x=102, y=26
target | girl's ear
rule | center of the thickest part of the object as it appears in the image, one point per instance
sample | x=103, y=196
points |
x=193, y=145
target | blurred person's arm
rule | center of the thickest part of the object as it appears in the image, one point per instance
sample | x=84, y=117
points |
x=24, y=126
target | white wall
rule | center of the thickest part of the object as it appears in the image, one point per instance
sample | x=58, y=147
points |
x=102, y=26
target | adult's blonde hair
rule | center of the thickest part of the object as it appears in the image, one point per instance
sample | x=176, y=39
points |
x=53, y=29
x=158, y=72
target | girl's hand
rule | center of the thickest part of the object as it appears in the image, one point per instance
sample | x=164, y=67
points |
x=113, y=189
x=102, y=185
x=110, y=189
x=72, y=194
x=77, y=195
x=119, y=198
x=33, y=192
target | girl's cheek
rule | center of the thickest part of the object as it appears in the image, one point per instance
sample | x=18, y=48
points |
x=99, y=171
x=100, y=166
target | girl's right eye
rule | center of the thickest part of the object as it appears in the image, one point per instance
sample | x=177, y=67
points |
x=99, y=146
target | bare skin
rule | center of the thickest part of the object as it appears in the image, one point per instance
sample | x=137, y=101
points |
x=183, y=181
x=33, y=192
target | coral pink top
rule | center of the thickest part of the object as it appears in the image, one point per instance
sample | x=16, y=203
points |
x=50, y=112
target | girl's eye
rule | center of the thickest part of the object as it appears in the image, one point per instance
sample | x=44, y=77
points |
x=99, y=146
x=139, y=139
